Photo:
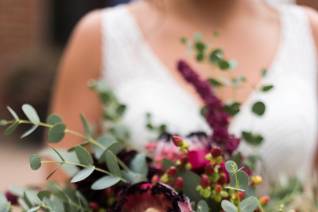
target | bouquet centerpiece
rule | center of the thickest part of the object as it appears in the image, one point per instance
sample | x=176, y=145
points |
x=196, y=172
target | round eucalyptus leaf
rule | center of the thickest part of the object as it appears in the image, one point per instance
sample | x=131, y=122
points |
x=259, y=108
x=249, y=204
x=105, y=182
x=54, y=119
x=56, y=133
x=35, y=162
x=203, y=206
x=231, y=166
x=228, y=206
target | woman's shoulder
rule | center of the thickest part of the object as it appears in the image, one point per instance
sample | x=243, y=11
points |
x=313, y=18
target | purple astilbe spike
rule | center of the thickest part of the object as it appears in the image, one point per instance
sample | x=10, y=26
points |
x=215, y=115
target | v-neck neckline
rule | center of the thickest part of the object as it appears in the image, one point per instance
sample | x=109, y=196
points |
x=169, y=76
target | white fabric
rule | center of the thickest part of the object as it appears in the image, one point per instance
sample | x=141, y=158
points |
x=289, y=126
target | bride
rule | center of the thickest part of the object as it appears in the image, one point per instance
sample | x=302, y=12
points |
x=135, y=47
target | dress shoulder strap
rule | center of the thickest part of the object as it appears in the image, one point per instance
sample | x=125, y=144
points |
x=121, y=41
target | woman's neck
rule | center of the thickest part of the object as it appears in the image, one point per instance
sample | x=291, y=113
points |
x=217, y=12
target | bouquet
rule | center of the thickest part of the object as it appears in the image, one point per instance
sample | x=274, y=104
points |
x=196, y=172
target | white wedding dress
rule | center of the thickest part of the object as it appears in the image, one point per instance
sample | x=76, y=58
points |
x=289, y=126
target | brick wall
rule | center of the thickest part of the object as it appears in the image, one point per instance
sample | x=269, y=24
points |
x=21, y=29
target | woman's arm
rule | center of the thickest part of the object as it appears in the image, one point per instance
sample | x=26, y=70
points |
x=313, y=16
x=81, y=62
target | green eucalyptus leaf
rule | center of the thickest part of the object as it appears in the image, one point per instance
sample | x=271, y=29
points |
x=199, y=57
x=203, y=206
x=231, y=166
x=252, y=138
x=249, y=204
x=54, y=119
x=264, y=72
x=259, y=108
x=58, y=153
x=228, y=206
x=83, y=174
x=232, y=108
x=139, y=164
x=216, y=56
x=112, y=163
x=31, y=113
x=56, y=133
x=3, y=122
x=191, y=181
x=30, y=131
x=9, y=130
x=44, y=194
x=243, y=180
x=266, y=88
x=105, y=182
x=5, y=206
x=13, y=113
x=87, y=128
x=107, y=141
x=133, y=177
x=83, y=155
x=215, y=83
x=35, y=162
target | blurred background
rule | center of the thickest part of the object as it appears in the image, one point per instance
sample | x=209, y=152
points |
x=33, y=34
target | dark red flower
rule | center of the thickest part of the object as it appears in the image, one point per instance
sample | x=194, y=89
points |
x=158, y=197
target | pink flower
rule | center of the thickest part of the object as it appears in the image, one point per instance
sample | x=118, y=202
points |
x=197, y=158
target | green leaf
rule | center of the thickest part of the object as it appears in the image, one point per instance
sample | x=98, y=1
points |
x=87, y=127
x=31, y=130
x=112, y=163
x=264, y=72
x=139, y=164
x=191, y=181
x=4, y=204
x=105, y=182
x=231, y=166
x=183, y=40
x=83, y=156
x=259, y=108
x=107, y=141
x=243, y=179
x=56, y=133
x=252, y=138
x=11, y=128
x=215, y=83
x=57, y=153
x=35, y=162
x=31, y=114
x=133, y=177
x=232, y=108
x=266, y=88
x=216, y=56
x=44, y=194
x=228, y=206
x=54, y=119
x=83, y=174
x=249, y=204
x=13, y=113
x=203, y=206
